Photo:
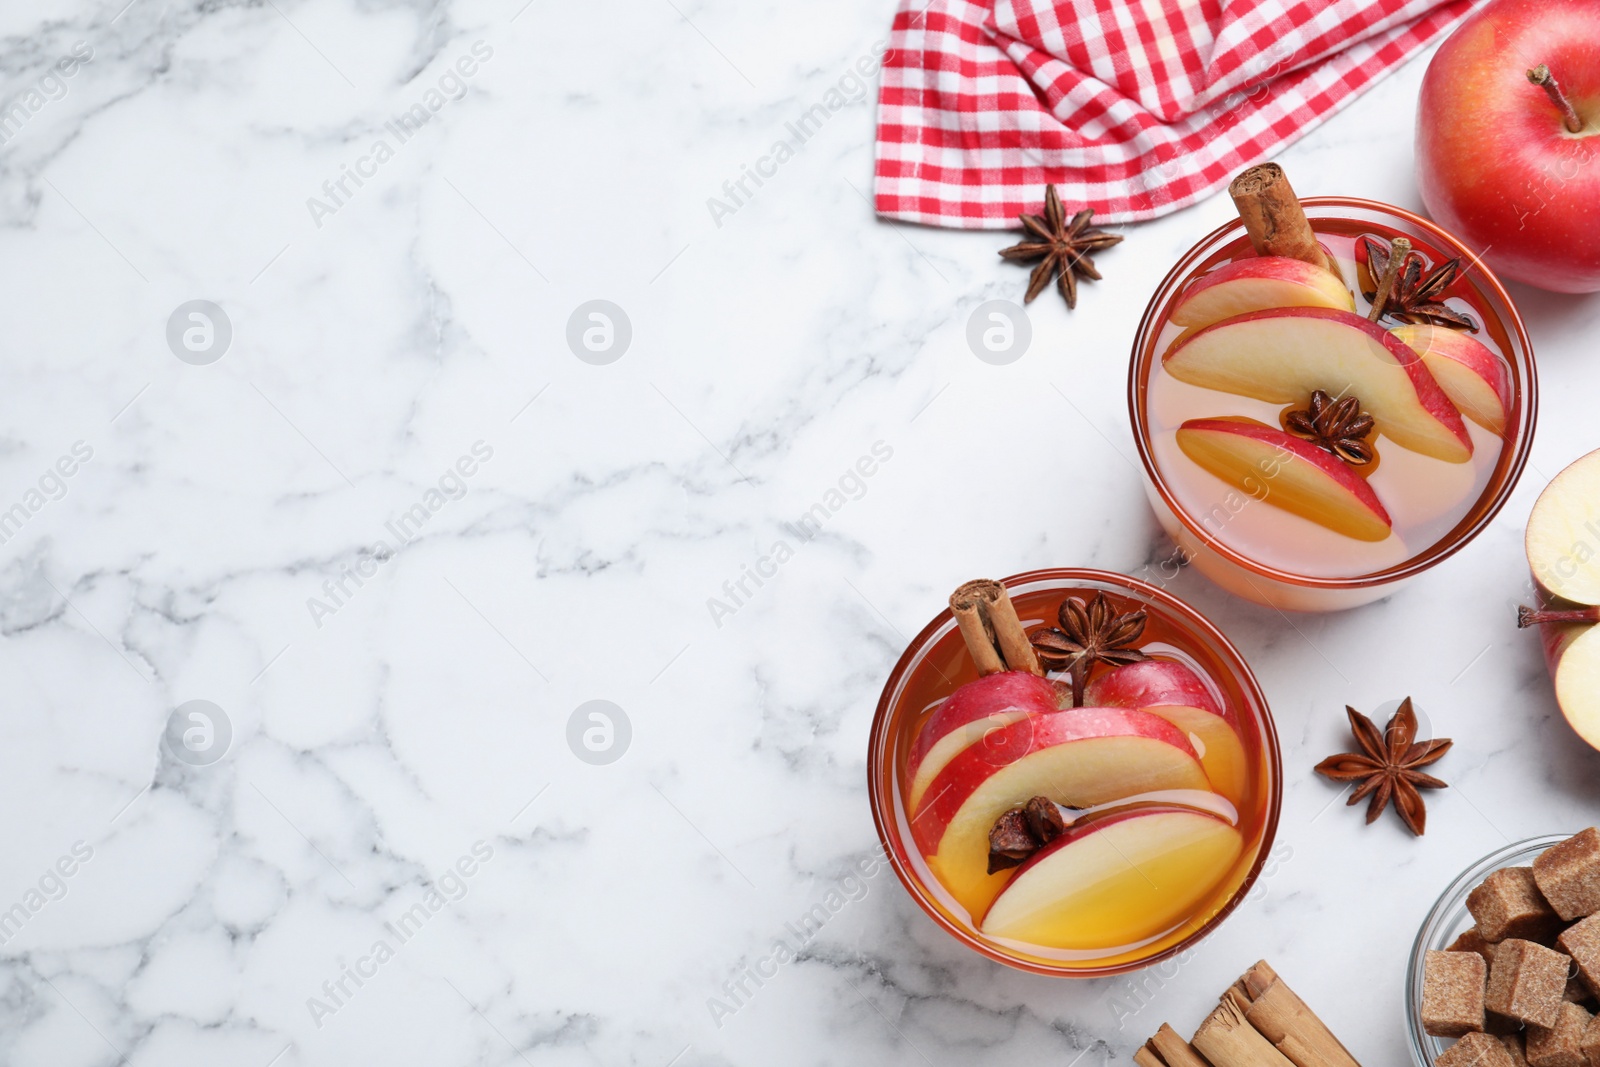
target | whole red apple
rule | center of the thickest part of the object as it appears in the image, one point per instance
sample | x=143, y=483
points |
x=1508, y=140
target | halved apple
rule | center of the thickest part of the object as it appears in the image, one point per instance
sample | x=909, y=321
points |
x=1115, y=881
x=1563, y=545
x=1079, y=757
x=1280, y=469
x=1476, y=380
x=971, y=714
x=1256, y=284
x=1282, y=356
x=1150, y=682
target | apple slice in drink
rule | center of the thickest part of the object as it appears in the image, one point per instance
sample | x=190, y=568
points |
x=1476, y=380
x=1280, y=469
x=1257, y=284
x=1115, y=881
x=971, y=715
x=1171, y=690
x=1282, y=356
x=1079, y=757
x=1151, y=682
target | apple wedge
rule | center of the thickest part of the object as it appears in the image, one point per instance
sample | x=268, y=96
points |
x=1079, y=757
x=1150, y=682
x=1477, y=381
x=1257, y=284
x=1563, y=545
x=1282, y=356
x=1173, y=691
x=1217, y=742
x=969, y=715
x=1280, y=469
x=1116, y=881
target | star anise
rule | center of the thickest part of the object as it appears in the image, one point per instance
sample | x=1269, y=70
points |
x=1340, y=426
x=1021, y=832
x=1063, y=245
x=1417, y=290
x=1387, y=766
x=1089, y=634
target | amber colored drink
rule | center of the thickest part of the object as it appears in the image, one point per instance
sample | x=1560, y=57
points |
x=1142, y=906
x=1233, y=532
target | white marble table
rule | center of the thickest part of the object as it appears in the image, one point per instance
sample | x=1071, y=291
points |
x=399, y=534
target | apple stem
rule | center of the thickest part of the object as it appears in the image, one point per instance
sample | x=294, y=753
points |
x=1529, y=617
x=1398, y=251
x=1542, y=77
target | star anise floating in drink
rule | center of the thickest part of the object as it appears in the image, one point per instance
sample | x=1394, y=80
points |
x=1388, y=766
x=1418, y=291
x=1063, y=245
x=1021, y=832
x=1090, y=633
x=1339, y=426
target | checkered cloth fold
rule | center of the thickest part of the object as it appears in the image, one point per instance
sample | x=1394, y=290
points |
x=1132, y=107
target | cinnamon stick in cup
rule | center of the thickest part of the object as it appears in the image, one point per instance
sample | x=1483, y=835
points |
x=1273, y=217
x=989, y=625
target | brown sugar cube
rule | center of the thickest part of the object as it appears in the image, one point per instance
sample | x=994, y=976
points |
x=1591, y=1040
x=1509, y=904
x=1513, y=1044
x=1581, y=941
x=1497, y=1024
x=1476, y=1050
x=1527, y=982
x=1452, y=993
x=1568, y=875
x=1472, y=941
x=1562, y=1044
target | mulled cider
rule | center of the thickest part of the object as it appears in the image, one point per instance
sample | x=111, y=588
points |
x=1321, y=420
x=1074, y=772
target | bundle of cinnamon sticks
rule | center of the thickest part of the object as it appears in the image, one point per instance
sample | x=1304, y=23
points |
x=1259, y=1023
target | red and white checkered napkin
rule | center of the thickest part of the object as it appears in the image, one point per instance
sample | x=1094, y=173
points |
x=1132, y=107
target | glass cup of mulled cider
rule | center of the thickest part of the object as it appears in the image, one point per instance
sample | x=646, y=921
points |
x=1156, y=767
x=1306, y=455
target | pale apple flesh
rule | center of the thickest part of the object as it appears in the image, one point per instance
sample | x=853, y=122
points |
x=1563, y=538
x=970, y=715
x=1256, y=284
x=1151, y=682
x=1077, y=757
x=1283, y=355
x=1576, y=672
x=1115, y=882
x=1563, y=546
x=1476, y=380
x=1283, y=471
x=1222, y=754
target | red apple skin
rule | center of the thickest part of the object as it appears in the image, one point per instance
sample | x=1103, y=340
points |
x=975, y=701
x=1436, y=343
x=964, y=774
x=1428, y=393
x=1151, y=683
x=1356, y=490
x=1495, y=162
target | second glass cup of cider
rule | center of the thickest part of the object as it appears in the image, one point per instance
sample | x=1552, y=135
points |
x=1306, y=455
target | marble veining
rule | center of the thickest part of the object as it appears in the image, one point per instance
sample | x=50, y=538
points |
x=423, y=509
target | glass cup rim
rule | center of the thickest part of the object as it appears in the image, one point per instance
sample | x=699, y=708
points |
x=1450, y=903
x=880, y=742
x=1436, y=553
